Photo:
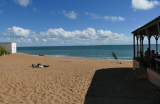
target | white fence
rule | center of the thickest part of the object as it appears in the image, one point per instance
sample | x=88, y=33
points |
x=10, y=47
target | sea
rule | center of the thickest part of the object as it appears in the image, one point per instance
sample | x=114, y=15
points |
x=122, y=52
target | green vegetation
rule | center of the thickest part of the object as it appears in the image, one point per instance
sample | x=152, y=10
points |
x=2, y=51
x=114, y=55
x=41, y=55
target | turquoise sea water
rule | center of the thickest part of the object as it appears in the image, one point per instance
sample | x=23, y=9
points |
x=123, y=52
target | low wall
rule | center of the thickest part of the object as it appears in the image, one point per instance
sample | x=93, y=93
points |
x=154, y=76
x=10, y=47
x=136, y=64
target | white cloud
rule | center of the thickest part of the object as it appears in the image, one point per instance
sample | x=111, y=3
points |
x=113, y=18
x=144, y=4
x=36, y=40
x=1, y=11
x=89, y=33
x=33, y=34
x=18, y=41
x=34, y=9
x=64, y=11
x=94, y=16
x=77, y=35
x=23, y=2
x=19, y=32
x=52, y=12
x=60, y=36
x=44, y=40
x=8, y=38
x=108, y=18
x=108, y=35
x=53, y=39
x=54, y=33
x=6, y=34
x=28, y=40
x=71, y=15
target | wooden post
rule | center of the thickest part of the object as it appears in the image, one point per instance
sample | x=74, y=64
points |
x=142, y=45
x=156, y=43
x=137, y=45
x=158, y=36
x=149, y=42
x=148, y=35
x=149, y=38
x=134, y=45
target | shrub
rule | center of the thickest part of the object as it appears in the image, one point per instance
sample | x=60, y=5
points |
x=2, y=51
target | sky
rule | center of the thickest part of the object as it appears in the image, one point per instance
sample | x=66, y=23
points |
x=74, y=22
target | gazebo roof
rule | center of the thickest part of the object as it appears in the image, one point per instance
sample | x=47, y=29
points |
x=152, y=24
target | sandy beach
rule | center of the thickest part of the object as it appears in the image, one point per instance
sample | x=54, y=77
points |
x=68, y=80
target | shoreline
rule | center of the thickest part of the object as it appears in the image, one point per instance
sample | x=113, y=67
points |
x=88, y=58
x=78, y=57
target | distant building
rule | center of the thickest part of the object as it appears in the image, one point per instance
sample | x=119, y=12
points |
x=9, y=46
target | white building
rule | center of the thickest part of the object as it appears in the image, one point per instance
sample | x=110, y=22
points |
x=9, y=46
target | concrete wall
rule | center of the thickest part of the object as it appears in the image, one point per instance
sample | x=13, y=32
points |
x=10, y=47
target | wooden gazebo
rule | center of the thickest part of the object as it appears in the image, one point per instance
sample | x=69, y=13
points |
x=150, y=29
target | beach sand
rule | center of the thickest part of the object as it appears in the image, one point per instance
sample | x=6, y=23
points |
x=67, y=80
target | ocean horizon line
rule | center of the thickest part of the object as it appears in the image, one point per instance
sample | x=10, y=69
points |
x=85, y=45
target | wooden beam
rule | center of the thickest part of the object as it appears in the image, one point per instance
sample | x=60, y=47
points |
x=134, y=45
x=158, y=28
x=137, y=46
x=148, y=25
x=156, y=44
x=157, y=36
x=142, y=45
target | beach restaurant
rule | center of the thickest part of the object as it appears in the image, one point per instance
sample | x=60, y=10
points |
x=140, y=58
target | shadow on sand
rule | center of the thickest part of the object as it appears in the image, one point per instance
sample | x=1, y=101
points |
x=113, y=84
